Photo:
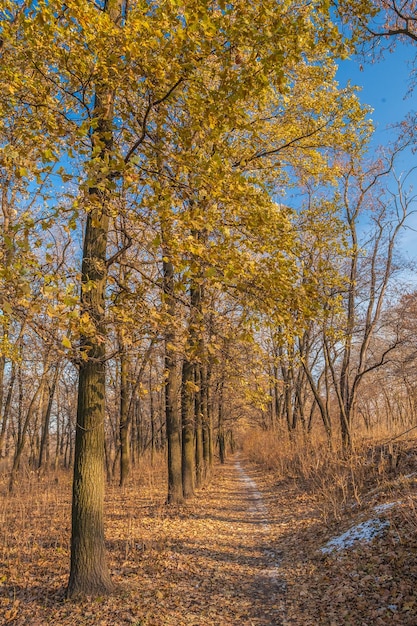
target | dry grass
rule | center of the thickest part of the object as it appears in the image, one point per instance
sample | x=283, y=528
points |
x=335, y=480
x=203, y=564
x=371, y=583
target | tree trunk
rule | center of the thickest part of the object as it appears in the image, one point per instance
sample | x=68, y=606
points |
x=220, y=423
x=206, y=427
x=124, y=429
x=188, y=426
x=89, y=574
x=192, y=436
x=152, y=416
x=22, y=434
x=199, y=456
x=6, y=409
x=44, y=445
x=172, y=415
x=210, y=413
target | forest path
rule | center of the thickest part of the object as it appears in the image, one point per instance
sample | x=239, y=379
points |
x=229, y=538
x=215, y=560
x=246, y=532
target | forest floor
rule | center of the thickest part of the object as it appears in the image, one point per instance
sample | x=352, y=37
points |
x=246, y=551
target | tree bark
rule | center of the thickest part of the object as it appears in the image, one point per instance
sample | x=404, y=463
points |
x=172, y=414
x=220, y=424
x=188, y=426
x=89, y=573
x=199, y=456
x=43, y=450
x=6, y=409
x=205, y=416
x=152, y=416
x=124, y=428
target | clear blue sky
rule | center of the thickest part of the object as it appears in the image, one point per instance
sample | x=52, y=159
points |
x=384, y=87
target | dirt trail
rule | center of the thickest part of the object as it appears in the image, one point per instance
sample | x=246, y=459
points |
x=238, y=537
x=220, y=560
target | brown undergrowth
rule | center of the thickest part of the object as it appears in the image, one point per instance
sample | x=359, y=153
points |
x=245, y=551
x=370, y=582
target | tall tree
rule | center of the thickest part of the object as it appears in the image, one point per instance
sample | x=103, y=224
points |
x=89, y=573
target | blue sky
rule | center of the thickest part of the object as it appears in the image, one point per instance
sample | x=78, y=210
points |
x=384, y=85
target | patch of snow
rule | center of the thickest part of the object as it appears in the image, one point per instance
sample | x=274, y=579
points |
x=380, y=508
x=270, y=572
x=365, y=531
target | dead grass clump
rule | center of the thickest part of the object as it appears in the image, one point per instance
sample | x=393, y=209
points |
x=338, y=482
x=296, y=456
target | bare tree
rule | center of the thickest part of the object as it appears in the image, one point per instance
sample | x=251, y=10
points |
x=371, y=267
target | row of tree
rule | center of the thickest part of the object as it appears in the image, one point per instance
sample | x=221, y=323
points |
x=183, y=192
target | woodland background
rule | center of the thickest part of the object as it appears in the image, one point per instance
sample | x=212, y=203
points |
x=199, y=249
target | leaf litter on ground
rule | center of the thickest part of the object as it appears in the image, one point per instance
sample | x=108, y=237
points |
x=245, y=551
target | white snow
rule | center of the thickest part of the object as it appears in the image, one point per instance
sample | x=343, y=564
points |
x=365, y=531
x=380, y=508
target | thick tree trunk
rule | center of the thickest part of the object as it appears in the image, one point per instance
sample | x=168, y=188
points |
x=173, y=427
x=89, y=574
x=188, y=427
x=210, y=414
x=199, y=456
x=206, y=426
x=192, y=434
x=220, y=423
